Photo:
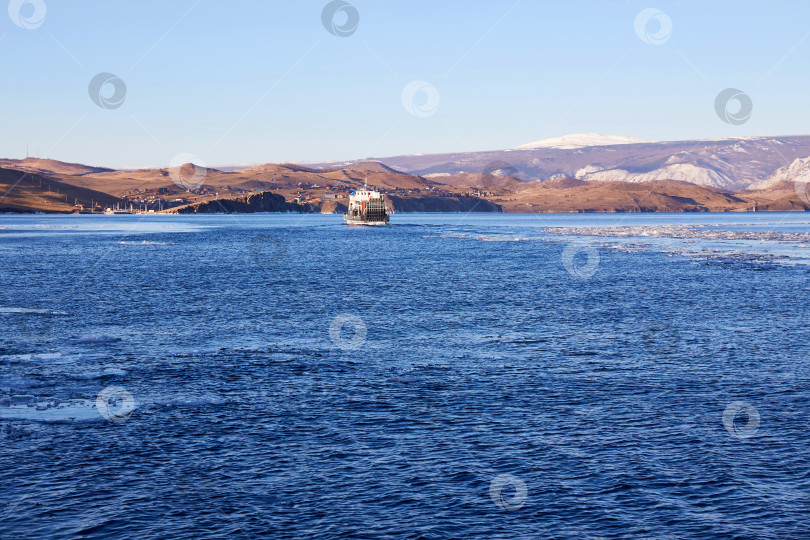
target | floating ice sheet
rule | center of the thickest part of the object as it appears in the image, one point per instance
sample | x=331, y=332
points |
x=52, y=412
x=699, y=241
x=702, y=232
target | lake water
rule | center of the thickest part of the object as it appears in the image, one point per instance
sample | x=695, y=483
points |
x=447, y=376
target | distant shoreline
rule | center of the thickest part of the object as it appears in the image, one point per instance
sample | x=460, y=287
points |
x=55, y=187
x=4, y=212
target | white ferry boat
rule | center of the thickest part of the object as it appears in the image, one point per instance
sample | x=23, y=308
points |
x=366, y=208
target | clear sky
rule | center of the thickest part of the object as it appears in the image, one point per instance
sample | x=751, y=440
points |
x=264, y=81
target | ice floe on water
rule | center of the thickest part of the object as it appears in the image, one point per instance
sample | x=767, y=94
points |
x=701, y=232
x=99, y=374
x=486, y=237
x=52, y=411
x=53, y=387
x=47, y=358
x=698, y=241
x=38, y=226
x=73, y=404
x=30, y=311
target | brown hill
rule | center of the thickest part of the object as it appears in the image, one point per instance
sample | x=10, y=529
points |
x=26, y=192
x=783, y=196
x=50, y=167
x=655, y=196
x=564, y=183
x=327, y=190
x=146, y=186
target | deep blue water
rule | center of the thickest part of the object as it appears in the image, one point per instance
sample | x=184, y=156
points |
x=475, y=361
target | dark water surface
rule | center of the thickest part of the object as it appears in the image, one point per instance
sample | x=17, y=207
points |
x=477, y=387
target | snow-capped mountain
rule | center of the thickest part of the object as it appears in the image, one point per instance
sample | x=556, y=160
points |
x=685, y=172
x=733, y=164
x=580, y=140
x=798, y=171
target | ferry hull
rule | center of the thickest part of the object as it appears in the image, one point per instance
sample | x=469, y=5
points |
x=359, y=222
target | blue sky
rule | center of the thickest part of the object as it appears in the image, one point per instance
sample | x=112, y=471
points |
x=240, y=81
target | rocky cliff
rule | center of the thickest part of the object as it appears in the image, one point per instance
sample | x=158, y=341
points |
x=266, y=201
x=458, y=203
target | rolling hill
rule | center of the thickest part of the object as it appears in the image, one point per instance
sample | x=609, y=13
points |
x=29, y=192
x=581, y=173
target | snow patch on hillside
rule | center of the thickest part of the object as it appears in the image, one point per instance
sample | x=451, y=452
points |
x=584, y=172
x=685, y=172
x=798, y=171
